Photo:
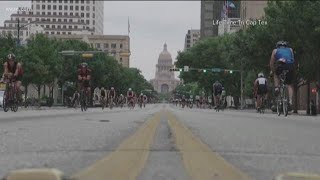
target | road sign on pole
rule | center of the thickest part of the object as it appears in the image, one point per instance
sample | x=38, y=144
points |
x=186, y=68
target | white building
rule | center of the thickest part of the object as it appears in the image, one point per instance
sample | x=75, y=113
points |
x=192, y=37
x=57, y=17
x=230, y=25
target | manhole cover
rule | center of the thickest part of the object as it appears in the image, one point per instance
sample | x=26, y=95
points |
x=104, y=120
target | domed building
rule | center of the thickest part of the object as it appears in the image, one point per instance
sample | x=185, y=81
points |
x=164, y=81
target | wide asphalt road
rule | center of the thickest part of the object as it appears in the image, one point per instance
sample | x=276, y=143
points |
x=160, y=142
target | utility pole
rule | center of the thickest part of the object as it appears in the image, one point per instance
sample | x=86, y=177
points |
x=18, y=42
x=241, y=83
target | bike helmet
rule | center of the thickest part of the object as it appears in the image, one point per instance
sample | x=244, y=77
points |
x=261, y=75
x=130, y=89
x=11, y=56
x=112, y=88
x=102, y=88
x=83, y=65
x=281, y=44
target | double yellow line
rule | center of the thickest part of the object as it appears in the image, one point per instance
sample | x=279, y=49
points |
x=130, y=157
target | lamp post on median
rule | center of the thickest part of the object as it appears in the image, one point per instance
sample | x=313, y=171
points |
x=20, y=27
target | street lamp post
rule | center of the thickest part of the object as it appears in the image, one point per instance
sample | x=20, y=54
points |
x=241, y=84
x=20, y=27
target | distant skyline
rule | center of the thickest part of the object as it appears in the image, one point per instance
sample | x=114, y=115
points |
x=151, y=25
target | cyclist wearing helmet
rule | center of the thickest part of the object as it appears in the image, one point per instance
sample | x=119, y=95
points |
x=103, y=93
x=260, y=88
x=217, y=91
x=130, y=94
x=84, y=77
x=13, y=70
x=282, y=58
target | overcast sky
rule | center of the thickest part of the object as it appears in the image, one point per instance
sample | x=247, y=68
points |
x=151, y=25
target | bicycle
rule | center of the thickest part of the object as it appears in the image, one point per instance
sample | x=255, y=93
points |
x=282, y=100
x=83, y=98
x=262, y=107
x=131, y=103
x=111, y=102
x=10, y=97
x=103, y=102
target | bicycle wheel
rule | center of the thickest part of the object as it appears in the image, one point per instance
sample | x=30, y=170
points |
x=85, y=107
x=111, y=103
x=279, y=106
x=14, y=107
x=5, y=103
x=285, y=104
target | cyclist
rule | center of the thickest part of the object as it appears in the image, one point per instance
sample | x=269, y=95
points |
x=112, y=94
x=145, y=99
x=76, y=97
x=140, y=99
x=260, y=89
x=84, y=77
x=282, y=58
x=183, y=100
x=103, y=94
x=130, y=95
x=217, y=91
x=13, y=70
x=121, y=99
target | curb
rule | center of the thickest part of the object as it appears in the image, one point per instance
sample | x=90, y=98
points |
x=35, y=174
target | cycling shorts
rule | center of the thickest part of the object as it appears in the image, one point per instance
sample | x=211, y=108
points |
x=289, y=76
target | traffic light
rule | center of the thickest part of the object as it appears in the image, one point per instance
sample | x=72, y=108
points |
x=87, y=56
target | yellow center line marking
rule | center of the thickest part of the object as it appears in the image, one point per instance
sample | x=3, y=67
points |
x=199, y=160
x=297, y=176
x=127, y=161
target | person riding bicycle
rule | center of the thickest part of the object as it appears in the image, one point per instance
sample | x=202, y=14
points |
x=75, y=97
x=112, y=93
x=121, y=99
x=260, y=89
x=141, y=98
x=130, y=95
x=84, y=77
x=103, y=93
x=145, y=98
x=217, y=91
x=13, y=71
x=282, y=58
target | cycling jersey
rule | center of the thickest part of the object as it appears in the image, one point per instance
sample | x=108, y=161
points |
x=112, y=93
x=262, y=85
x=12, y=69
x=85, y=73
x=130, y=93
x=285, y=54
x=103, y=93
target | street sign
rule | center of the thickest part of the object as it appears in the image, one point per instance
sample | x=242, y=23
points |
x=87, y=55
x=186, y=68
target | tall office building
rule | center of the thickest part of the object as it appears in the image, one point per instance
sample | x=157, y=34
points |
x=192, y=37
x=57, y=17
x=252, y=10
x=212, y=11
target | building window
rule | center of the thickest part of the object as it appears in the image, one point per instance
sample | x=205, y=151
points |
x=60, y=7
x=94, y=8
x=49, y=13
x=63, y=32
x=82, y=20
x=71, y=14
x=88, y=15
x=65, y=7
x=69, y=33
x=54, y=20
x=59, y=20
x=65, y=1
x=77, y=1
x=52, y=32
x=87, y=22
x=38, y=6
x=65, y=20
x=49, y=7
x=54, y=1
x=88, y=8
x=70, y=20
x=37, y=19
x=121, y=59
x=93, y=15
x=71, y=1
x=98, y=45
x=60, y=1
x=58, y=32
x=53, y=26
x=60, y=13
x=113, y=45
x=77, y=8
x=88, y=1
x=66, y=14
x=71, y=8
x=94, y=22
x=106, y=45
x=49, y=1
x=54, y=13
x=82, y=8
x=82, y=1
x=43, y=13
x=82, y=14
x=64, y=27
x=70, y=27
x=38, y=13
x=76, y=27
x=59, y=27
x=23, y=19
x=43, y=1
x=120, y=46
x=77, y=14
x=47, y=26
x=43, y=6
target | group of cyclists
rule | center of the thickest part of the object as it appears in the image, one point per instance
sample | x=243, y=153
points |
x=282, y=58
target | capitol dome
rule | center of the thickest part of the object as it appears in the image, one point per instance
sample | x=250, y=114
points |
x=165, y=55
